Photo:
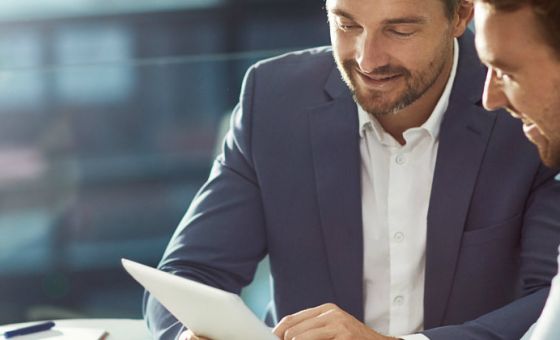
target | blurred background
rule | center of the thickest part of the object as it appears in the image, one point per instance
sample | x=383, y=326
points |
x=110, y=115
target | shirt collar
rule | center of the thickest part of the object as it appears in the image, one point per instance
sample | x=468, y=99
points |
x=432, y=125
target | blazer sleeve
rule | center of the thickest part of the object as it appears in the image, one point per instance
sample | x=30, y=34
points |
x=221, y=238
x=539, y=240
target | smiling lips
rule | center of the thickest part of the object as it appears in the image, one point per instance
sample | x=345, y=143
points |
x=378, y=81
x=531, y=130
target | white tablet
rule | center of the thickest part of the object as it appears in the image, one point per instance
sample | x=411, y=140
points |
x=207, y=311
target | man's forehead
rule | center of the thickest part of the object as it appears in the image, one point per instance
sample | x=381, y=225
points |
x=383, y=11
x=502, y=37
x=350, y=4
x=489, y=40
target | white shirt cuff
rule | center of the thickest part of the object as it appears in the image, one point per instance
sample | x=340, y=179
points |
x=414, y=337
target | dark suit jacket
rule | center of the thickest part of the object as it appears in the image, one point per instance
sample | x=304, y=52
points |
x=288, y=184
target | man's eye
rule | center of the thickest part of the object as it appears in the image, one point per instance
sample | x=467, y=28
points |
x=501, y=76
x=346, y=27
x=401, y=33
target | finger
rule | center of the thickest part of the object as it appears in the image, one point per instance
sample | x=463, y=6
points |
x=293, y=319
x=306, y=317
x=304, y=327
x=329, y=319
x=189, y=335
x=321, y=333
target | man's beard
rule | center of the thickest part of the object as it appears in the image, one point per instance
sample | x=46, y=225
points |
x=550, y=155
x=550, y=118
x=548, y=144
x=378, y=103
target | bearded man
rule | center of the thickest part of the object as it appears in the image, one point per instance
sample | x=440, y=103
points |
x=390, y=203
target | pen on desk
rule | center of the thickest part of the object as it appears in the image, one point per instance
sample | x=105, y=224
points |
x=44, y=326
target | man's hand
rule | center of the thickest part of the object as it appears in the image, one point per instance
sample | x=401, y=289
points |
x=188, y=335
x=327, y=321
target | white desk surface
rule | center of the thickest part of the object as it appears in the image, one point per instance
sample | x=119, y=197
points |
x=119, y=329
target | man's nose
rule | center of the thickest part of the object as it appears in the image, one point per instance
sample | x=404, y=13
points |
x=370, y=53
x=493, y=97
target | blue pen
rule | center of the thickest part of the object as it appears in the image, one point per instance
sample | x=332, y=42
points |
x=29, y=329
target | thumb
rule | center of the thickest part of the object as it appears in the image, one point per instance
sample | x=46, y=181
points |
x=188, y=335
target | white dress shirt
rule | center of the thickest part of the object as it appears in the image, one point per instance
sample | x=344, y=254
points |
x=547, y=326
x=396, y=186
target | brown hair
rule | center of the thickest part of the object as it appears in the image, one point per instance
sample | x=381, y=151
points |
x=546, y=11
x=451, y=7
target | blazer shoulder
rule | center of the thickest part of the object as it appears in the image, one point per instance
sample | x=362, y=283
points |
x=300, y=75
x=303, y=66
x=317, y=55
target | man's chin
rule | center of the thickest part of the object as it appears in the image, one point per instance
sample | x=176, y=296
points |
x=550, y=155
x=374, y=103
x=552, y=162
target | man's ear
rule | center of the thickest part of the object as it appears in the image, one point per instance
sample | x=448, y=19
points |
x=462, y=17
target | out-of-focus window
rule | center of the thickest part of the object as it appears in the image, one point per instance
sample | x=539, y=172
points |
x=109, y=119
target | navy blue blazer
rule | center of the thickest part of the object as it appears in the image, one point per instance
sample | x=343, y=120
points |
x=288, y=185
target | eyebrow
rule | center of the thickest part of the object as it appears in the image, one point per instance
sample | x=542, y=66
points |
x=498, y=63
x=341, y=13
x=406, y=20
x=395, y=21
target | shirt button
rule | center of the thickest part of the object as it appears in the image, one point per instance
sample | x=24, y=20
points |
x=400, y=159
x=398, y=237
x=398, y=300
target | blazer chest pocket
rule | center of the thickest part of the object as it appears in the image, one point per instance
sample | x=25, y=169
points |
x=508, y=229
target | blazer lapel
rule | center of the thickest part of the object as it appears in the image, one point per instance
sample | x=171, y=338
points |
x=464, y=136
x=336, y=158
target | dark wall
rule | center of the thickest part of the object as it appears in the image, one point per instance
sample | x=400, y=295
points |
x=108, y=126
